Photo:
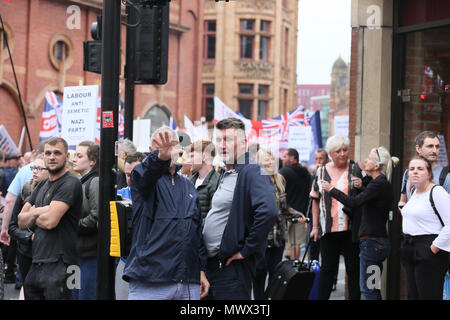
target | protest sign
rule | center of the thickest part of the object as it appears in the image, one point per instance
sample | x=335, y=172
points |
x=6, y=143
x=79, y=114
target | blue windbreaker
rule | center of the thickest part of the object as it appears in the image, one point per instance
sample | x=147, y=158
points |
x=167, y=243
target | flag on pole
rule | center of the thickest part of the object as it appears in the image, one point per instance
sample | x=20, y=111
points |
x=173, y=125
x=49, y=119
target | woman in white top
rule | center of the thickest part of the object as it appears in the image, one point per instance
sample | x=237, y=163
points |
x=426, y=244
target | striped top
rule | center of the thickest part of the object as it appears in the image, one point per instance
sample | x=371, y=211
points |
x=332, y=217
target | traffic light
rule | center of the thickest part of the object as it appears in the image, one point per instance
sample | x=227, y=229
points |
x=152, y=43
x=92, y=50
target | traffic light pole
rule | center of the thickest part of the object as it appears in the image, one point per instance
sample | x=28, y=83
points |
x=108, y=136
x=130, y=73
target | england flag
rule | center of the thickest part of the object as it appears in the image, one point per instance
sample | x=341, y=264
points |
x=49, y=121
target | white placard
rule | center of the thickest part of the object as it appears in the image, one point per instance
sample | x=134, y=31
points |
x=300, y=138
x=6, y=143
x=79, y=114
x=442, y=159
x=141, y=134
x=341, y=126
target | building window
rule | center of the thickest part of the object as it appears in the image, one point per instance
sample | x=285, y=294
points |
x=286, y=46
x=246, y=100
x=210, y=40
x=159, y=116
x=263, y=97
x=264, y=40
x=247, y=39
x=247, y=25
x=208, y=102
x=285, y=97
x=61, y=52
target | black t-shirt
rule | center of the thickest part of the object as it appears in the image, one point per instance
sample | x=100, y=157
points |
x=51, y=245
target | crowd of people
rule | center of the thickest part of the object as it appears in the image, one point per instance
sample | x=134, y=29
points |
x=216, y=230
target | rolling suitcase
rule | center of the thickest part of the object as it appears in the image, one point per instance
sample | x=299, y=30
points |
x=292, y=279
x=314, y=294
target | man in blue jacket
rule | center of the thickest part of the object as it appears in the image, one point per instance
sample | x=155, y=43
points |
x=242, y=213
x=167, y=257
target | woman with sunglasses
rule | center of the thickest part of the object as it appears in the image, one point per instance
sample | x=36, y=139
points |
x=375, y=199
x=24, y=237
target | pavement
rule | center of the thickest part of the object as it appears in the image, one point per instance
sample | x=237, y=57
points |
x=11, y=293
x=339, y=294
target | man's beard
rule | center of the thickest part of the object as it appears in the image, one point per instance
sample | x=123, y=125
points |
x=57, y=169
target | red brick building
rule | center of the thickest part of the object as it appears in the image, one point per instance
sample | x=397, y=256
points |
x=306, y=91
x=46, y=40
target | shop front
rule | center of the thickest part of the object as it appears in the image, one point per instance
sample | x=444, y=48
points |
x=419, y=98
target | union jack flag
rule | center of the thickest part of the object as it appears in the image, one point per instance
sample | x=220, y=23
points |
x=279, y=126
x=49, y=120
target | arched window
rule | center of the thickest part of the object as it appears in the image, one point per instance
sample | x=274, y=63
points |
x=61, y=52
x=159, y=116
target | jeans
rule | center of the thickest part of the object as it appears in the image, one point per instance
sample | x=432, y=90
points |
x=163, y=291
x=47, y=281
x=2, y=277
x=121, y=286
x=373, y=252
x=88, y=279
x=233, y=282
x=272, y=258
x=331, y=246
x=425, y=271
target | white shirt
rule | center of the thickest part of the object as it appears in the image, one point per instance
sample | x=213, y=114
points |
x=419, y=217
x=199, y=182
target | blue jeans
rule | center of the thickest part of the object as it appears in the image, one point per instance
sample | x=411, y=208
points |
x=163, y=291
x=373, y=251
x=88, y=279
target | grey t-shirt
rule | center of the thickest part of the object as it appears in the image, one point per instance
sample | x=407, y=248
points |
x=436, y=173
x=217, y=217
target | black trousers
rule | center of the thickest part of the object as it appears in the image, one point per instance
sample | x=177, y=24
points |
x=331, y=245
x=47, y=281
x=233, y=282
x=425, y=271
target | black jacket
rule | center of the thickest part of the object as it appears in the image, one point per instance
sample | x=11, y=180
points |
x=87, y=225
x=375, y=200
x=206, y=190
x=23, y=236
x=252, y=215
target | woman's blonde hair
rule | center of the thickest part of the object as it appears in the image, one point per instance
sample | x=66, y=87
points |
x=278, y=178
x=385, y=161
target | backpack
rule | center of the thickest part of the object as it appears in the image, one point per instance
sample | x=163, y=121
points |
x=434, y=207
x=88, y=178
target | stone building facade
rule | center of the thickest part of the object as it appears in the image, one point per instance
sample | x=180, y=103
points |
x=250, y=57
